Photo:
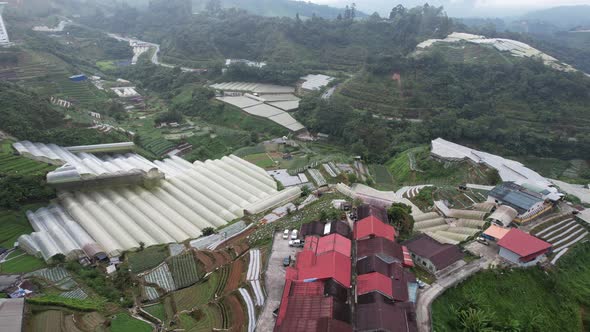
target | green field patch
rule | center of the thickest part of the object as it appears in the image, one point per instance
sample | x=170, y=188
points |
x=14, y=223
x=526, y=299
x=147, y=258
x=106, y=65
x=382, y=177
x=22, y=264
x=75, y=304
x=126, y=323
x=260, y=160
x=157, y=311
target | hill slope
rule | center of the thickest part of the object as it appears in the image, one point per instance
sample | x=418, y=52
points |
x=280, y=8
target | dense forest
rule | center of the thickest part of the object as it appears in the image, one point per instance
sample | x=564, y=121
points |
x=315, y=43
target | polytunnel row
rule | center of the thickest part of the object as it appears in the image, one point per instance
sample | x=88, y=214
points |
x=191, y=198
x=55, y=232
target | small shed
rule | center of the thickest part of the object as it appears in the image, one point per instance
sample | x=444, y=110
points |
x=78, y=78
x=495, y=233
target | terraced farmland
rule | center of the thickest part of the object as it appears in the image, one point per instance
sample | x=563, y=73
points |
x=11, y=164
x=563, y=235
x=157, y=145
x=82, y=93
x=196, y=295
x=185, y=271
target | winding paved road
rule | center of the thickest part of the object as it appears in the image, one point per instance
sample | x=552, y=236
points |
x=429, y=294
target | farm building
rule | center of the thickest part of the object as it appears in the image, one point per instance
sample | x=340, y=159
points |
x=185, y=199
x=321, y=229
x=366, y=210
x=394, y=286
x=521, y=248
x=528, y=204
x=509, y=170
x=312, y=83
x=78, y=78
x=259, y=88
x=249, y=63
x=385, y=316
x=384, y=249
x=431, y=254
x=371, y=227
x=11, y=314
x=503, y=215
x=495, y=233
x=269, y=106
x=313, y=306
x=316, y=289
x=326, y=244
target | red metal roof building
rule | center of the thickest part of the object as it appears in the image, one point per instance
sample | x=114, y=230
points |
x=310, y=306
x=332, y=265
x=522, y=248
x=373, y=271
x=370, y=227
x=326, y=244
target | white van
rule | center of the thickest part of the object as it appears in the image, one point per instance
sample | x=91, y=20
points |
x=294, y=234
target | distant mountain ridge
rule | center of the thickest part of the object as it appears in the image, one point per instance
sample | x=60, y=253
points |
x=280, y=8
x=564, y=17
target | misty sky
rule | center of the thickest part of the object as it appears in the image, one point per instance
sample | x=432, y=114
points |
x=462, y=7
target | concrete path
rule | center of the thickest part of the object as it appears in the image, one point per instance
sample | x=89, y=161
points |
x=274, y=281
x=430, y=293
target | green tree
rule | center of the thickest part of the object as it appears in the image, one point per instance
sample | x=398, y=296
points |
x=208, y=231
x=401, y=218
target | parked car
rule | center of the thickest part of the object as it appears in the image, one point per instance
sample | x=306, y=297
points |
x=294, y=234
x=296, y=243
x=483, y=241
x=286, y=234
x=287, y=261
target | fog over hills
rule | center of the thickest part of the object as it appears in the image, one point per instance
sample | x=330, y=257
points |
x=463, y=8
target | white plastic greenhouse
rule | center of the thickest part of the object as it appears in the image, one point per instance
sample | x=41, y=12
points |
x=111, y=219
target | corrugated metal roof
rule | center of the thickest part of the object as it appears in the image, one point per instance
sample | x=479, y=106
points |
x=371, y=226
x=522, y=243
x=382, y=316
x=11, y=314
x=496, y=232
x=515, y=196
x=374, y=282
x=330, y=265
x=367, y=210
x=441, y=255
x=334, y=242
x=386, y=250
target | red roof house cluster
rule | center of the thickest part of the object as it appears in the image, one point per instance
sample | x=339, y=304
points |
x=316, y=288
x=317, y=293
x=382, y=283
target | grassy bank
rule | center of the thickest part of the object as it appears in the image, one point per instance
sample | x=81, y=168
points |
x=520, y=299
